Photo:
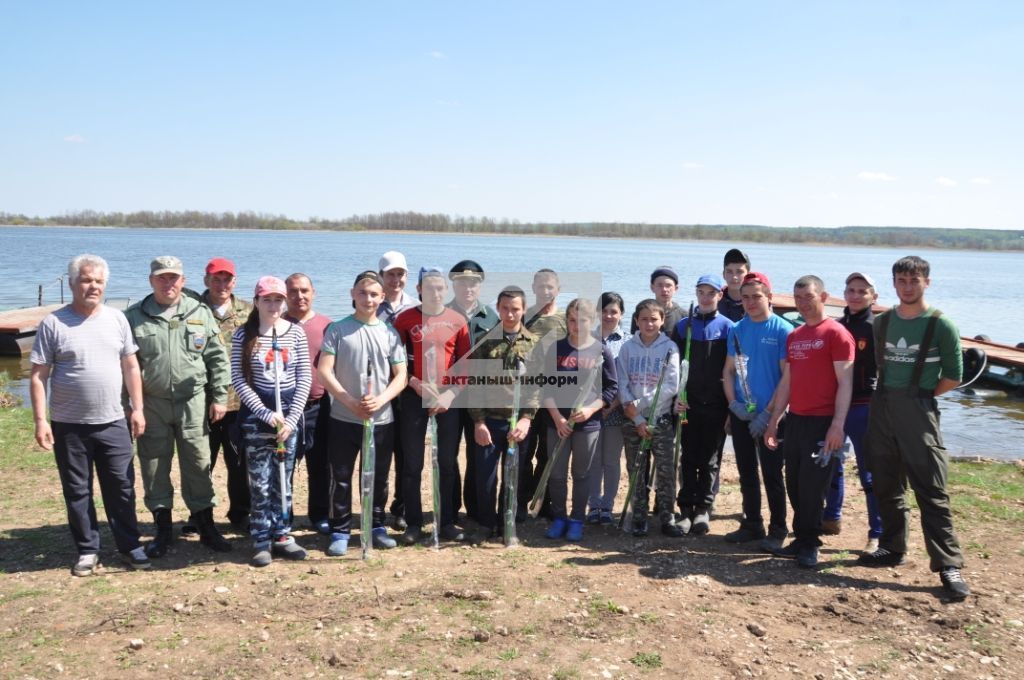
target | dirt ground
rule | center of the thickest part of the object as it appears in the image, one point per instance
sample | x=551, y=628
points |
x=609, y=607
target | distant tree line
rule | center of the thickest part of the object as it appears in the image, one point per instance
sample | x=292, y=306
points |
x=974, y=239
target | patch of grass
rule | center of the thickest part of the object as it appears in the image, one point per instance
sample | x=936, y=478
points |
x=646, y=660
x=978, y=549
x=510, y=654
x=529, y=629
x=603, y=605
x=21, y=594
x=981, y=640
x=565, y=674
x=648, y=617
x=480, y=672
x=18, y=449
x=987, y=491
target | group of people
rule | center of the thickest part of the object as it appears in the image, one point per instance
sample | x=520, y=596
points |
x=273, y=382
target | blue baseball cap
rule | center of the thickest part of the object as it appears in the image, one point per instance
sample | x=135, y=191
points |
x=430, y=271
x=713, y=280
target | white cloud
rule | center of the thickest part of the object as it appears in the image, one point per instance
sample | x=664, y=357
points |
x=945, y=181
x=437, y=54
x=691, y=165
x=75, y=139
x=832, y=196
x=868, y=176
x=980, y=180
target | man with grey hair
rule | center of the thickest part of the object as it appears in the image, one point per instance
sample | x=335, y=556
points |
x=86, y=351
x=185, y=375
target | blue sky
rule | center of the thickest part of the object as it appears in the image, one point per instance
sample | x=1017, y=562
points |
x=779, y=113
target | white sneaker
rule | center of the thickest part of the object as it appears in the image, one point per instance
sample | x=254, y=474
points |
x=871, y=546
x=86, y=565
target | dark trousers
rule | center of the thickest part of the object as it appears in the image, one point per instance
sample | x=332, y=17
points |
x=225, y=434
x=412, y=433
x=488, y=460
x=702, y=437
x=77, y=449
x=806, y=481
x=469, y=478
x=531, y=464
x=344, y=443
x=905, y=445
x=313, y=433
x=770, y=464
x=398, y=502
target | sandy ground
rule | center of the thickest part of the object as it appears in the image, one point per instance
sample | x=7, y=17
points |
x=609, y=607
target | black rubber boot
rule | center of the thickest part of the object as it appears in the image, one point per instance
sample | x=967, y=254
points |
x=164, y=533
x=208, y=534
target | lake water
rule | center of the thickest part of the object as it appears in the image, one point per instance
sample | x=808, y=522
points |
x=964, y=283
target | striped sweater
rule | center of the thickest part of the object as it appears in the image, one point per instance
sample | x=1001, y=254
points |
x=296, y=377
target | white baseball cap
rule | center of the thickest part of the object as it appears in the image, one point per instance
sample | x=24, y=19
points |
x=392, y=260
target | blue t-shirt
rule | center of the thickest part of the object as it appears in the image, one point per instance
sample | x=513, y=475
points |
x=764, y=346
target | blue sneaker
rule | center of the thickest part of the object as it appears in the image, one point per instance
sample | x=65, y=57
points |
x=381, y=540
x=322, y=527
x=575, y=530
x=594, y=516
x=606, y=517
x=339, y=545
x=557, y=528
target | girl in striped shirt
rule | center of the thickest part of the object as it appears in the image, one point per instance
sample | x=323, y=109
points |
x=254, y=375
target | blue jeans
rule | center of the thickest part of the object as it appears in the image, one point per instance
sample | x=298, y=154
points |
x=856, y=427
x=266, y=518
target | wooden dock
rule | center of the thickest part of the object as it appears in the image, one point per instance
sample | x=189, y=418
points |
x=18, y=329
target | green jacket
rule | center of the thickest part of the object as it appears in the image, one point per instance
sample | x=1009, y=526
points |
x=229, y=323
x=181, y=357
x=495, y=346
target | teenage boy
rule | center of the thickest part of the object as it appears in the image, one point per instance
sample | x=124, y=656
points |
x=638, y=369
x=313, y=427
x=394, y=273
x=734, y=268
x=703, y=403
x=919, y=358
x=548, y=323
x=230, y=313
x=859, y=319
x=467, y=277
x=438, y=335
x=351, y=344
x=816, y=385
x=511, y=344
x=753, y=368
x=664, y=284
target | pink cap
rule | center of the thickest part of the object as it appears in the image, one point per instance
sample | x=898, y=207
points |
x=270, y=285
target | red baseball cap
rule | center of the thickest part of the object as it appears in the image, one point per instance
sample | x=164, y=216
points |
x=757, y=277
x=220, y=264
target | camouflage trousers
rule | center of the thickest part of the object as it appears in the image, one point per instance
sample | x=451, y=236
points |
x=266, y=519
x=664, y=473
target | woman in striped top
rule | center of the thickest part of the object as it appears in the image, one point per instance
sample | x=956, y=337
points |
x=254, y=375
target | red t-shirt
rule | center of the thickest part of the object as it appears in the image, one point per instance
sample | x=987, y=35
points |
x=447, y=332
x=810, y=351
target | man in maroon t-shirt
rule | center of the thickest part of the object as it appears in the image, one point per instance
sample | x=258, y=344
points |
x=435, y=331
x=817, y=384
x=313, y=430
